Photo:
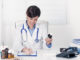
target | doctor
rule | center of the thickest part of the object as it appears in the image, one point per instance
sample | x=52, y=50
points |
x=30, y=34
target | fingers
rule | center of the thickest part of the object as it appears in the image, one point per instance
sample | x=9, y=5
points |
x=48, y=40
x=30, y=51
x=27, y=51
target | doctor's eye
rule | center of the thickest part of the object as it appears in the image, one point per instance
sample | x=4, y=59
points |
x=35, y=20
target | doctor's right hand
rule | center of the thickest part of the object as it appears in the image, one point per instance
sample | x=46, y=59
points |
x=27, y=51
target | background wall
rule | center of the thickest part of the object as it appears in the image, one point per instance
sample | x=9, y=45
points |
x=62, y=33
x=74, y=16
x=0, y=20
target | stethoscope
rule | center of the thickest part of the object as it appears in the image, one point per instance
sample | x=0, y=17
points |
x=23, y=29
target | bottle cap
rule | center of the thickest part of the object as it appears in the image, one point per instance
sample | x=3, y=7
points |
x=49, y=36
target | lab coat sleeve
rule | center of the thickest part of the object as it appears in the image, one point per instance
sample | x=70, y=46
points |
x=17, y=44
x=49, y=46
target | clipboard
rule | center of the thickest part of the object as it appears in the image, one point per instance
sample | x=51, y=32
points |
x=22, y=54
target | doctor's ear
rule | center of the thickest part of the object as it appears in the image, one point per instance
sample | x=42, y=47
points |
x=26, y=17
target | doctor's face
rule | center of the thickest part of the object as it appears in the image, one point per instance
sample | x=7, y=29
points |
x=32, y=21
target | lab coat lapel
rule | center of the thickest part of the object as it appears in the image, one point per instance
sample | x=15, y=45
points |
x=34, y=34
x=28, y=33
x=29, y=37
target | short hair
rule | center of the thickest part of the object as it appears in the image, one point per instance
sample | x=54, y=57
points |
x=33, y=11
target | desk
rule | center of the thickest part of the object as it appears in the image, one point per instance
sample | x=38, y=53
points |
x=48, y=54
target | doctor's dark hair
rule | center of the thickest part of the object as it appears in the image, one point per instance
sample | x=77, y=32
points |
x=33, y=11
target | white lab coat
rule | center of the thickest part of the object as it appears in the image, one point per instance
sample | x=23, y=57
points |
x=29, y=41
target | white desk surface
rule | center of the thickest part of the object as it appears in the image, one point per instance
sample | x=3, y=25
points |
x=49, y=54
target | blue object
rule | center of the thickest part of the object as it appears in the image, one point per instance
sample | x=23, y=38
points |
x=76, y=41
x=31, y=30
x=23, y=29
x=49, y=46
x=79, y=50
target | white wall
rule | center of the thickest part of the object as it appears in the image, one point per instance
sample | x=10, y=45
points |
x=0, y=20
x=74, y=16
x=62, y=34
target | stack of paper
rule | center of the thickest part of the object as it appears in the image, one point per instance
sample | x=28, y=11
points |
x=23, y=54
x=76, y=41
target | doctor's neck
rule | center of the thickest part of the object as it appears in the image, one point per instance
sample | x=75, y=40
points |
x=30, y=26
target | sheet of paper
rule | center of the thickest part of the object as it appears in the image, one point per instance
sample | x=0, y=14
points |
x=23, y=54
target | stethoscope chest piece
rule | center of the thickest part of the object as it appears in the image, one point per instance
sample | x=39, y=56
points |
x=36, y=40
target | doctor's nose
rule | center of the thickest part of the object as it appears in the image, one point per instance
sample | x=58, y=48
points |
x=34, y=21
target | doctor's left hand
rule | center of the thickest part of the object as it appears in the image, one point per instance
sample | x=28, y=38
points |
x=27, y=51
x=48, y=41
